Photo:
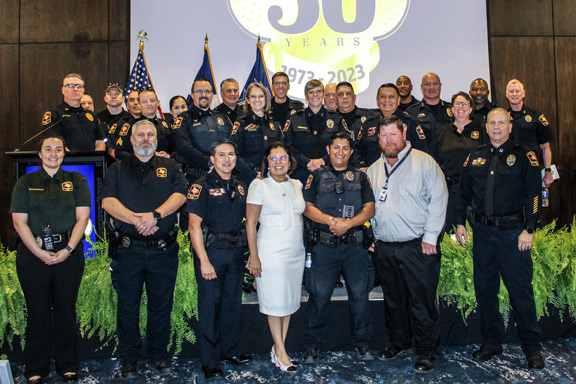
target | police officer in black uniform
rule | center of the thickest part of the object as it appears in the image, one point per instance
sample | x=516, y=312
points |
x=501, y=182
x=217, y=207
x=254, y=132
x=196, y=130
x=352, y=116
x=310, y=130
x=78, y=126
x=114, y=98
x=432, y=112
x=531, y=128
x=120, y=146
x=229, y=89
x=282, y=107
x=143, y=193
x=366, y=146
x=479, y=93
x=339, y=200
x=404, y=84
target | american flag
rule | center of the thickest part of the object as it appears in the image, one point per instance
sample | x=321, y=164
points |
x=139, y=77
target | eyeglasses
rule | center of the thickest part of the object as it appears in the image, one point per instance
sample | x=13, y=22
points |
x=462, y=104
x=203, y=91
x=280, y=83
x=257, y=96
x=281, y=158
x=74, y=86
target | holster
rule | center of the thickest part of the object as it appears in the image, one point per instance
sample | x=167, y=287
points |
x=114, y=240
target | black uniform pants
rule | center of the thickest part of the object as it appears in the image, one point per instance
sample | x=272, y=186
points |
x=219, y=303
x=409, y=281
x=50, y=292
x=131, y=270
x=496, y=254
x=356, y=266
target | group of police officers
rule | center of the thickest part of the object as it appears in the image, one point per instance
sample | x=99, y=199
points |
x=190, y=163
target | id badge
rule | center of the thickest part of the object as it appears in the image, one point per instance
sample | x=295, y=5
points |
x=383, y=193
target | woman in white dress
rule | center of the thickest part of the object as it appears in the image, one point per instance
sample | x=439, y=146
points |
x=277, y=251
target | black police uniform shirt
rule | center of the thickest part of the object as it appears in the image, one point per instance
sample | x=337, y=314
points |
x=320, y=190
x=430, y=117
x=515, y=180
x=282, y=112
x=143, y=187
x=450, y=148
x=404, y=106
x=354, y=119
x=252, y=135
x=119, y=136
x=109, y=119
x=50, y=199
x=482, y=114
x=78, y=126
x=195, y=130
x=530, y=128
x=233, y=114
x=220, y=203
x=309, y=133
x=367, y=148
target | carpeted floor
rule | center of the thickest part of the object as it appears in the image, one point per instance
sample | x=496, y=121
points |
x=455, y=365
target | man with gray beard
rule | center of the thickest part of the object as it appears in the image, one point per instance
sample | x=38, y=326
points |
x=142, y=194
x=411, y=198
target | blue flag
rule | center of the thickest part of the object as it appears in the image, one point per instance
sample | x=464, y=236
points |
x=259, y=74
x=205, y=72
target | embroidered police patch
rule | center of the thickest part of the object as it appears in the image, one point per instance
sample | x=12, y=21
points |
x=177, y=123
x=543, y=120
x=235, y=128
x=533, y=159
x=309, y=182
x=161, y=172
x=194, y=192
x=67, y=186
x=47, y=118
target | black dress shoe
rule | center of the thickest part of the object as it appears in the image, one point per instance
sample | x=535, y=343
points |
x=390, y=352
x=37, y=380
x=486, y=352
x=535, y=360
x=424, y=364
x=70, y=377
x=129, y=369
x=163, y=366
x=311, y=356
x=238, y=359
x=211, y=372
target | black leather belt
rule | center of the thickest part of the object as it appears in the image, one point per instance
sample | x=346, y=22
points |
x=333, y=241
x=504, y=223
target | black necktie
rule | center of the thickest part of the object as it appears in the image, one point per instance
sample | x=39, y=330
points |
x=490, y=182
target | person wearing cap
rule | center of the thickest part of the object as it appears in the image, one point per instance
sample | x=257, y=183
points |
x=78, y=126
x=114, y=98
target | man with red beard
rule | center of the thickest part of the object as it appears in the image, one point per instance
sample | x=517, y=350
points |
x=411, y=198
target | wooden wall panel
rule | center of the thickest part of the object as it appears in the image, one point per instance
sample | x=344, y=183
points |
x=9, y=132
x=520, y=17
x=44, y=66
x=63, y=20
x=119, y=19
x=563, y=192
x=9, y=10
x=564, y=16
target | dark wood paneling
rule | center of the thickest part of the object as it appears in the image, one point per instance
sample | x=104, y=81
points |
x=563, y=191
x=119, y=66
x=9, y=10
x=63, y=20
x=9, y=132
x=45, y=65
x=520, y=17
x=119, y=19
x=564, y=16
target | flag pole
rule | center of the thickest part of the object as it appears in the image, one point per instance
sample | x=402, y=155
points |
x=141, y=37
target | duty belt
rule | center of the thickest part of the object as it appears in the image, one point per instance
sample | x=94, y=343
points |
x=161, y=244
x=226, y=240
x=504, y=223
x=56, y=238
x=332, y=241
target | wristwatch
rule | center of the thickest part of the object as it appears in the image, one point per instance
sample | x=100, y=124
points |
x=530, y=230
x=547, y=169
x=157, y=216
x=69, y=249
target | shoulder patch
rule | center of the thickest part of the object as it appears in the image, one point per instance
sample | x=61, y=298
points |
x=113, y=128
x=161, y=172
x=89, y=116
x=47, y=118
x=235, y=128
x=67, y=186
x=309, y=182
x=449, y=112
x=177, y=123
x=420, y=133
x=533, y=159
x=286, y=125
x=194, y=192
x=543, y=120
x=124, y=129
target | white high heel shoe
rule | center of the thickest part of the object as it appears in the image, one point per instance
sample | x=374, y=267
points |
x=273, y=357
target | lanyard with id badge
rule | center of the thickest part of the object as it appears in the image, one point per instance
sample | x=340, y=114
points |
x=384, y=192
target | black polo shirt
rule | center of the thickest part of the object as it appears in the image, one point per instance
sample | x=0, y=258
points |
x=220, y=203
x=50, y=199
x=143, y=187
